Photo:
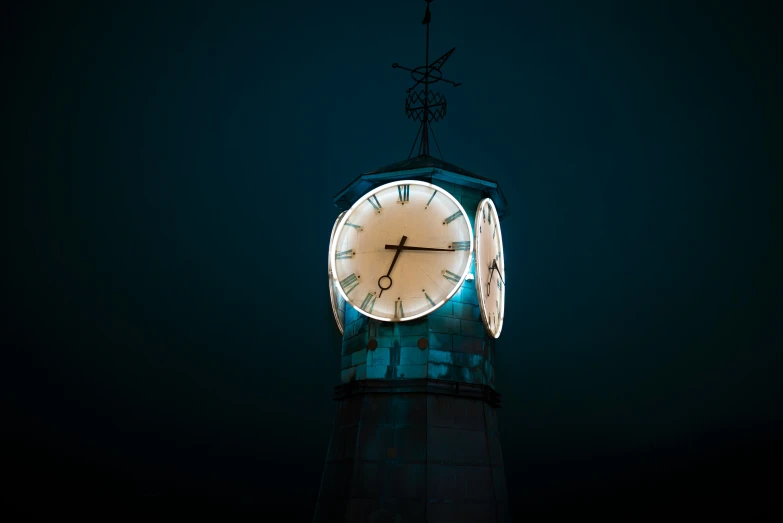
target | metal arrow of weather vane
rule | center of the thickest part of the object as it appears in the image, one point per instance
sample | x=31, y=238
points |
x=424, y=105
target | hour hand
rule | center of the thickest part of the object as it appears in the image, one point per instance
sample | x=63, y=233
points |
x=408, y=248
x=495, y=267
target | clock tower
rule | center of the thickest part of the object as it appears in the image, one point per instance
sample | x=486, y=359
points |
x=417, y=281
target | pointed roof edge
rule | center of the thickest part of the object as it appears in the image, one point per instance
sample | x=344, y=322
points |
x=426, y=168
x=426, y=161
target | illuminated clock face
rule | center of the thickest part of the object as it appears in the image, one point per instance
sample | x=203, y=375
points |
x=401, y=251
x=490, y=267
x=338, y=303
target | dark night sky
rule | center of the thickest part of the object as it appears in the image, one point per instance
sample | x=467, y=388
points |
x=167, y=191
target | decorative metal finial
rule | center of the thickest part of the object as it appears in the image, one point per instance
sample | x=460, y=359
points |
x=425, y=105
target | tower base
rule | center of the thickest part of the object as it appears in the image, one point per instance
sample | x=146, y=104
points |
x=409, y=451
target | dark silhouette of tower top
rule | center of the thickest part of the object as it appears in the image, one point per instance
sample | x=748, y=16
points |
x=424, y=105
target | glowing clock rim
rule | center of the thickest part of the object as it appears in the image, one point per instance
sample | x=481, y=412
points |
x=331, y=280
x=360, y=201
x=479, y=279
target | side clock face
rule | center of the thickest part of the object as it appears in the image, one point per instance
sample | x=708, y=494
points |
x=401, y=251
x=490, y=267
x=338, y=303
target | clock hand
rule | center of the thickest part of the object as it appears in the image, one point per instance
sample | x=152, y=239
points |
x=390, y=247
x=388, y=277
x=489, y=280
x=495, y=266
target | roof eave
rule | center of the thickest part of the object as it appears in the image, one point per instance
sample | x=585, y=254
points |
x=366, y=182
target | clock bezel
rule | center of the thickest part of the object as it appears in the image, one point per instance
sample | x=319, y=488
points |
x=332, y=295
x=480, y=271
x=463, y=275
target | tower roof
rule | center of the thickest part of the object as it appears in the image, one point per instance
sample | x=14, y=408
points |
x=425, y=168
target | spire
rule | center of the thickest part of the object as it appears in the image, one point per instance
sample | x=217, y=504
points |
x=427, y=14
x=423, y=105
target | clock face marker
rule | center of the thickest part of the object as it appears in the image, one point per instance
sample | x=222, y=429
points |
x=398, y=312
x=450, y=276
x=342, y=255
x=429, y=299
x=374, y=202
x=453, y=217
x=349, y=283
x=357, y=227
x=431, y=197
x=403, y=193
x=369, y=302
x=461, y=246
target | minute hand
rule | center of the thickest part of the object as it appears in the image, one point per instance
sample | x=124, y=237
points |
x=407, y=248
x=497, y=269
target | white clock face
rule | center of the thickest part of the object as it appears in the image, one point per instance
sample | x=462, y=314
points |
x=401, y=251
x=490, y=267
x=338, y=303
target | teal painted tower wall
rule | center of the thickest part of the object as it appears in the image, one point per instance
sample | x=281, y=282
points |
x=416, y=435
x=458, y=348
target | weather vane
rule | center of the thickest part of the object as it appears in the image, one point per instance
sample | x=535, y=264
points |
x=424, y=105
